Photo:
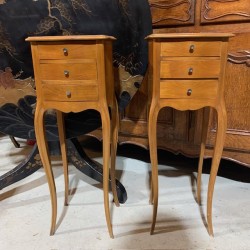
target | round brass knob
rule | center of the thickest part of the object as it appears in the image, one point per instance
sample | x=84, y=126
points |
x=68, y=93
x=191, y=48
x=65, y=51
x=66, y=73
x=189, y=92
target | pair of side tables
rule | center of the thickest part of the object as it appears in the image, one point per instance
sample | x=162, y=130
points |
x=75, y=73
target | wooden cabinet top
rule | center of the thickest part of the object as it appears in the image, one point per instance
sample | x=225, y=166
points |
x=189, y=35
x=68, y=38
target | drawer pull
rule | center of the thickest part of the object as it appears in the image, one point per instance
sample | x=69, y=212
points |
x=65, y=51
x=66, y=73
x=189, y=92
x=190, y=71
x=68, y=93
x=191, y=49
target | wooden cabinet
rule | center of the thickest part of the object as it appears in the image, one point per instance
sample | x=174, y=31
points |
x=178, y=79
x=73, y=74
x=180, y=131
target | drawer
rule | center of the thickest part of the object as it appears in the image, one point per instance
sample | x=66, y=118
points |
x=66, y=51
x=69, y=71
x=69, y=92
x=198, y=89
x=185, y=68
x=191, y=48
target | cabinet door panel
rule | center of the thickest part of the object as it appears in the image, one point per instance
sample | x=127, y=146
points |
x=225, y=10
x=175, y=12
x=237, y=92
x=238, y=109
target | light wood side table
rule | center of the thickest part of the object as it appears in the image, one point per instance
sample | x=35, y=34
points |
x=72, y=74
x=186, y=72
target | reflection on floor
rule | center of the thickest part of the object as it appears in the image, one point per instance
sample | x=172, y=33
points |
x=26, y=211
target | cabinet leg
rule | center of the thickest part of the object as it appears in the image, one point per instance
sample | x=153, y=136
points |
x=43, y=150
x=61, y=131
x=218, y=149
x=106, y=158
x=114, y=140
x=202, y=150
x=152, y=136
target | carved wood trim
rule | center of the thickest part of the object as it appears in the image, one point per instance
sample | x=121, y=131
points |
x=240, y=57
x=225, y=10
x=174, y=12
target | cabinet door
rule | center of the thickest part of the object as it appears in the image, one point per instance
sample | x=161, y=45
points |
x=224, y=11
x=237, y=98
x=174, y=12
x=232, y=16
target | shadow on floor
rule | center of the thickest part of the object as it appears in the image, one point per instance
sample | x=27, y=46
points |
x=228, y=169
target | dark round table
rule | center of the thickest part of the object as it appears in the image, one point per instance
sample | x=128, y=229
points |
x=127, y=20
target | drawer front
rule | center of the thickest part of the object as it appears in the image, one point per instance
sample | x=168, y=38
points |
x=69, y=71
x=201, y=68
x=194, y=89
x=66, y=51
x=191, y=48
x=69, y=92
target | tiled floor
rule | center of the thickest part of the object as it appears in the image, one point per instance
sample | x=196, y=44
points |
x=26, y=211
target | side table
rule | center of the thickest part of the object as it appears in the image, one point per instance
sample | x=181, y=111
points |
x=72, y=74
x=186, y=72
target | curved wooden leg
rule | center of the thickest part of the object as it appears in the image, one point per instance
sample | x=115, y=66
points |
x=61, y=131
x=152, y=136
x=43, y=150
x=114, y=139
x=106, y=157
x=151, y=199
x=218, y=149
x=202, y=150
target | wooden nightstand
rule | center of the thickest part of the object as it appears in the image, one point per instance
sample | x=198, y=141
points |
x=186, y=72
x=72, y=74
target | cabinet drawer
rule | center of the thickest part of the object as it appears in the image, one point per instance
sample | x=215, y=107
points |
x=69, y=92
x=69, y=71
x=190, y=68
x=189, y=89
x=191, y=48
x=66, y=51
